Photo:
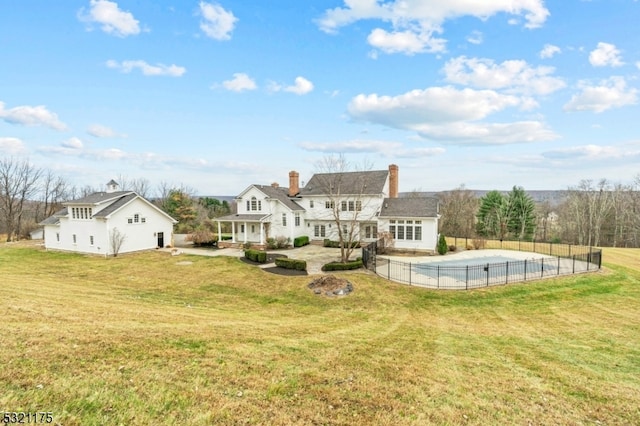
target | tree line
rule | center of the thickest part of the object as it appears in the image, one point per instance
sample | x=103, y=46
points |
x=591, y=213
x=30, y=194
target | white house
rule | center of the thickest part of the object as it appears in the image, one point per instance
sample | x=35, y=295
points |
x=108, y=223
x=366, y=204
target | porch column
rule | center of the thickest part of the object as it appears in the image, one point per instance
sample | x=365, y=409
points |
x=261, y=233
x=246, y=229
x=219, y=231
x=233, y=232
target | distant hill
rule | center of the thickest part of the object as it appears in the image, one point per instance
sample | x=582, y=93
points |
x=227, y=198
x=554, y=198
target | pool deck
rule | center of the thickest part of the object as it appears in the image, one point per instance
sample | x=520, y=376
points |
x=470, y=254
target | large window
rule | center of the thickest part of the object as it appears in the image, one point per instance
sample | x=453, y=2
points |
x=329, y=204
x=82, y=213
x=319, y=231
x=371, y=231
x=406, y=230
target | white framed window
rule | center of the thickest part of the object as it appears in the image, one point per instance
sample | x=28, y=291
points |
x=343, y=206
x=329, y=204
x=284, y=219
x=91, y=240
x=242, y=228
x=57, y=236
x=319, y=230
x=253, y=229
x=310, y=204
x=297, y=219
x=136, y=218
x=74, y=239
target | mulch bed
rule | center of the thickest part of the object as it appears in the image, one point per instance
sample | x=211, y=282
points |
x=271, y=258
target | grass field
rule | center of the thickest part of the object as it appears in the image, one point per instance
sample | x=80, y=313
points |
x=141, y=339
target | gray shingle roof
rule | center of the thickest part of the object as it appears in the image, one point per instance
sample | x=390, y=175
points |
x=409, y=207
x=116, y=205
x=347, y=183
x=280, y=194
x=99, y=197
x=243, y=218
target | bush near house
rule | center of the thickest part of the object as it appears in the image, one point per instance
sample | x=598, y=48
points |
x=336, y=244
x=202, y=237
x=442, y=245
x=298, y=265
x=301, y=241
x=256, y=255
x=339, y=266
x=278, y=243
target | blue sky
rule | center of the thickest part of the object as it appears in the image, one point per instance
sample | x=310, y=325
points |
x=219, y=95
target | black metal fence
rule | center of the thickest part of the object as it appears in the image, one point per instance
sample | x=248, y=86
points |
x=555, y=260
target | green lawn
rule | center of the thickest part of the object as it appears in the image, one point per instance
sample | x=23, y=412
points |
x=141, y=339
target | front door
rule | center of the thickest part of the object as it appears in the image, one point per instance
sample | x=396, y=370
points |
x=161, y=239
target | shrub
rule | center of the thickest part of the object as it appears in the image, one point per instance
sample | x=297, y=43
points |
x=478, y=243
x=298, y=265
x=202, y=237
x=301, y=241
x=442, y=245
x=339, y=266
x=453, y=248
x=256, y=255
x=278, y=243
x=336, y=244
x=469, y=247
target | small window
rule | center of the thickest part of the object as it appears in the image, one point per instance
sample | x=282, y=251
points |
x=74, y=238
x=358, y=205
x=136, y=218
x=254, y=204
x=248, y=205
x=253, y=229
x=90, y=239
x=311, y=204
x=57, y=236
x=297, y=219
x=351, y=206
x=129, y=220
x=284, y=219
x=242, y=228
x=143, y=220
x=343, y=206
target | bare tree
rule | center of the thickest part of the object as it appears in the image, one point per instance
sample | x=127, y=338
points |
x=587, y=208
x=54, y=190
x=140, y=186
x=345, y=189
x=458, y=209
x=116, y=239
x=18, y=183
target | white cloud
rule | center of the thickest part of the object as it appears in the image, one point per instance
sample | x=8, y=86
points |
x=610, y=93
x=11, y=146
x=407, y=42
x=549, y=50
x=302, y=86
x=239, y=83
x=147, y=69
x=638, y=65
x=100, y=131
x=450, y=115
x=605, y=55
x=359, y=146
x=413, y=22
x=113, y=20
x=515, y=75
x=31, y=116
x=217, y=23
x=475, y=37
x=73, y=143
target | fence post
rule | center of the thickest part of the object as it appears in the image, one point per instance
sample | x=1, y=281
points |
x=487, y=275
x=574, y=264
x=466, y=279
x=558, y=266
x=388, y=269
x=542, y=268
x=506, y=281
x=550, y=249
x=438, y=276
x=410, y=273
x=525, y=269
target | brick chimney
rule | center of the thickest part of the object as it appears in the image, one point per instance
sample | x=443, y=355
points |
x=294, y=183
x=393, y=181
x=275, y=185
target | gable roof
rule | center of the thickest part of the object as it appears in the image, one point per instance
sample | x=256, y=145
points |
x=98, y=197
x=120, y=202
x=409, y=207
x=347, y=183
x=280, y=194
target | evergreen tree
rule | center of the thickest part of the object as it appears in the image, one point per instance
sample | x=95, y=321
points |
x=522, y=218
x=493, y=215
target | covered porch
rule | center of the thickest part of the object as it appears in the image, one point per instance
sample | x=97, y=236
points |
x=245, y=228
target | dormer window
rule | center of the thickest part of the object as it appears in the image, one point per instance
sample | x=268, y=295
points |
x=254, y=204
x=82, y=213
